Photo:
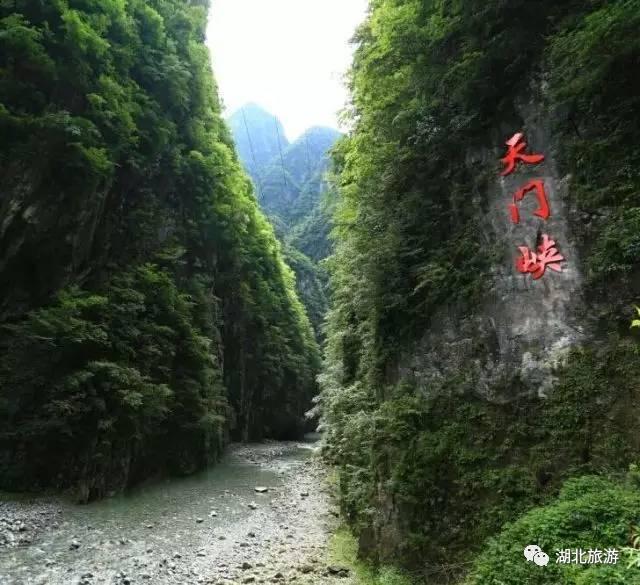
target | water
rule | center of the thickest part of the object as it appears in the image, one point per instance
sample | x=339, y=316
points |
x=157, y=526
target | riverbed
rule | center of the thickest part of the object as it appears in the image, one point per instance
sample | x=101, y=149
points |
x=218, y=527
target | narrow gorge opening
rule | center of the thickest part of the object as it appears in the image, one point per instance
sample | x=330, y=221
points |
x=319, y=292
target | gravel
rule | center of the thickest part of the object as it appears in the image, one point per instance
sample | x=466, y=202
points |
x=282, y=540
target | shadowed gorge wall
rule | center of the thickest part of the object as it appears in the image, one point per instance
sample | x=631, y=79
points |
x=146, y=312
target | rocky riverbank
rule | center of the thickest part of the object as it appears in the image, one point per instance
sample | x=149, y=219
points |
x=270, y=525
x=23, y=522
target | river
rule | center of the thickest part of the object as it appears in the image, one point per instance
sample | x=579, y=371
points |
x=212, y=528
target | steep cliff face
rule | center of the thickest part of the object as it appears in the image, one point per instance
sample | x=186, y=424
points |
x=523, y=329
x=458, y=391
x=485, y=373
x=146, y=312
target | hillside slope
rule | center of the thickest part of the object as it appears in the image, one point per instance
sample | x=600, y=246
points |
x=259, y=137
x=291, y=188
x=293, y=195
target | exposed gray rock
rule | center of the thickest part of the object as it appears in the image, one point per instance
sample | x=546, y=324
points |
x=524, y=328
x=338, y=571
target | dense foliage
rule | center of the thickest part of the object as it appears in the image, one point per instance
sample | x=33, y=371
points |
x=292, y=182
x=145, y=306
x=429, y=471
x=588, y=510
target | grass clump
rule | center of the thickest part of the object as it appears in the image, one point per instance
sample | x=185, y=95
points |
x=343, y=551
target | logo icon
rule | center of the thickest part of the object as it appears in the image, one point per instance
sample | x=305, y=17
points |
x=534, y=554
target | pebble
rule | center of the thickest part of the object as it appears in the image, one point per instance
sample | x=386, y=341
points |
x=278, y=545
x=338, y=571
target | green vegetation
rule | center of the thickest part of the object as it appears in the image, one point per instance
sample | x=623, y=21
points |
x=146, y=311
x=311, y=283
x=587, y=511
x=343, y=552
x=458, y=467
x=430, y=465
x=596, y=100
x=293, y=188
x=91, y=386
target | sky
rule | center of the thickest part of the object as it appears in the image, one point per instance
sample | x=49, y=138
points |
x=288, y=56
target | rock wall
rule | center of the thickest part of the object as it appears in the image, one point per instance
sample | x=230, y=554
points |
x=524, y=328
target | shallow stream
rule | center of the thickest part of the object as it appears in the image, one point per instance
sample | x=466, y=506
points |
x=190, y=530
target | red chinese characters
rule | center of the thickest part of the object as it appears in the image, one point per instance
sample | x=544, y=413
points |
x=533, y=262
x=536, y=263
x=543, y=204
x=516, y=145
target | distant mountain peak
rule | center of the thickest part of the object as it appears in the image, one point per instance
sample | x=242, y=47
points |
x=252, y=108
x=259, y=136
x=321, y=130
x=282, y=172
x=290, y=180
x=320, y=138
